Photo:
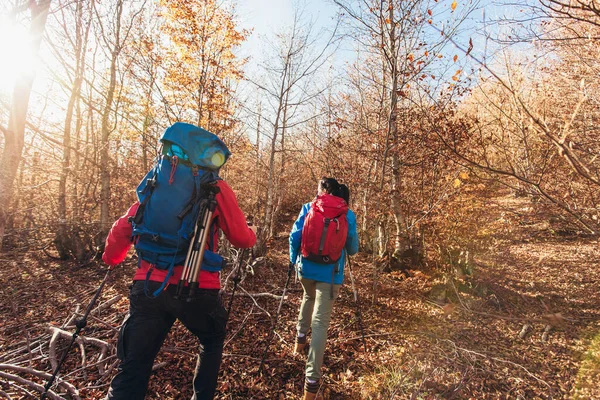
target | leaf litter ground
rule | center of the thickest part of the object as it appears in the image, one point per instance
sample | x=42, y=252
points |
x=524, y=325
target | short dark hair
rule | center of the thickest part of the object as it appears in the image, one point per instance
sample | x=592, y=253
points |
x=329, y=185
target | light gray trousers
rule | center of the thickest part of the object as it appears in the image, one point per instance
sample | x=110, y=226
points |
x=315, y=313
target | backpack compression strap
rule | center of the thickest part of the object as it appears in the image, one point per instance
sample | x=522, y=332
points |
x=325, y=229
x=150, y=185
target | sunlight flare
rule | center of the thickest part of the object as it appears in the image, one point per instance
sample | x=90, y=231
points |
x=15, y=52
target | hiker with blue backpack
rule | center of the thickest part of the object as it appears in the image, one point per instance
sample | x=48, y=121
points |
x=178, y=275
x=323, y=233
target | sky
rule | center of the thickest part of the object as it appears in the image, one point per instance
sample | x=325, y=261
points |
x=265, y=17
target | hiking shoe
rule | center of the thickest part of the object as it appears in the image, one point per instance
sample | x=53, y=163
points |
x=309, y=396
x=300, y=345
x=310, y=390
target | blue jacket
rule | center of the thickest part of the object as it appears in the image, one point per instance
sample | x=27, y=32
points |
x=321, y=272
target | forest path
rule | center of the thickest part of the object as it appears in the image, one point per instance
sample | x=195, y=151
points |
x=518, y=327
x=434, y=335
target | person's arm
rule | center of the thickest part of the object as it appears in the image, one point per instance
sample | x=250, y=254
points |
x=118, y=240
x=296, y=234
x=231, y=219
x=352, y=238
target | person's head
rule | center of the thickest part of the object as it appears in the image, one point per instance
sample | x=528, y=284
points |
x=344, y=193
x=328, y=185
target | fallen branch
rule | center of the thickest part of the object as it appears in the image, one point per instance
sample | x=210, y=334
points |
x=176, y=350
x=101, y=307
x=41, y=374
x=499, y=360
x=240, y=327
x=254, y=301
x=81, y=341
x=93, y=365
x=107, y=304
x=159, y=365
x=15, y=378
x=256, y=295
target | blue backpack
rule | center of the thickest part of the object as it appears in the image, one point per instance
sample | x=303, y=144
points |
x=171, y=195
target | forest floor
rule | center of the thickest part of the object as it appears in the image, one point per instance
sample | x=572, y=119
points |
x=525, y=324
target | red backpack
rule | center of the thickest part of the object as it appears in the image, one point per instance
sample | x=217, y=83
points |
x=325, y=230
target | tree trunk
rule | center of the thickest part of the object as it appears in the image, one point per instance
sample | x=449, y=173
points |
x=63, y=243
x=257, y=167
x=266, y=229
x=15, y=133
x=393, y=136
x=105, y=221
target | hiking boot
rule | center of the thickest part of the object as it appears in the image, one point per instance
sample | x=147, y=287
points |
x=309, y=396
x=310, y=390
x=300, y=345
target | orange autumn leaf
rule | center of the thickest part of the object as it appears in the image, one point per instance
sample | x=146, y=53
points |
x=455, y=58
x=429, y=12
x=453, y=6
x=448, y=309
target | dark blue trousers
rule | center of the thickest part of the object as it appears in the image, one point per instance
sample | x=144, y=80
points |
x=147, y=326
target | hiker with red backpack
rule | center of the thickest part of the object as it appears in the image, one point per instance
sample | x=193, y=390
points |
x=180, y=197
x=322, y=234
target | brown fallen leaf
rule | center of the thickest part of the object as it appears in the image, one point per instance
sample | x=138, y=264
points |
x=555, y=319
x=448, y=309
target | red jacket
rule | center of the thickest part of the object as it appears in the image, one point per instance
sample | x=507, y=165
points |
x=230, y=219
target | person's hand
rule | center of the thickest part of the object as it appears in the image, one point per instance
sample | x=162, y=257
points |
x=112, y=267
x=253, y=228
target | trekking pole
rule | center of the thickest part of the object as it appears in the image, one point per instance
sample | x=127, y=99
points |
x=236, y=279
x=287, y=282
x=79, y=325
x=358, y=313
x=193, y=260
